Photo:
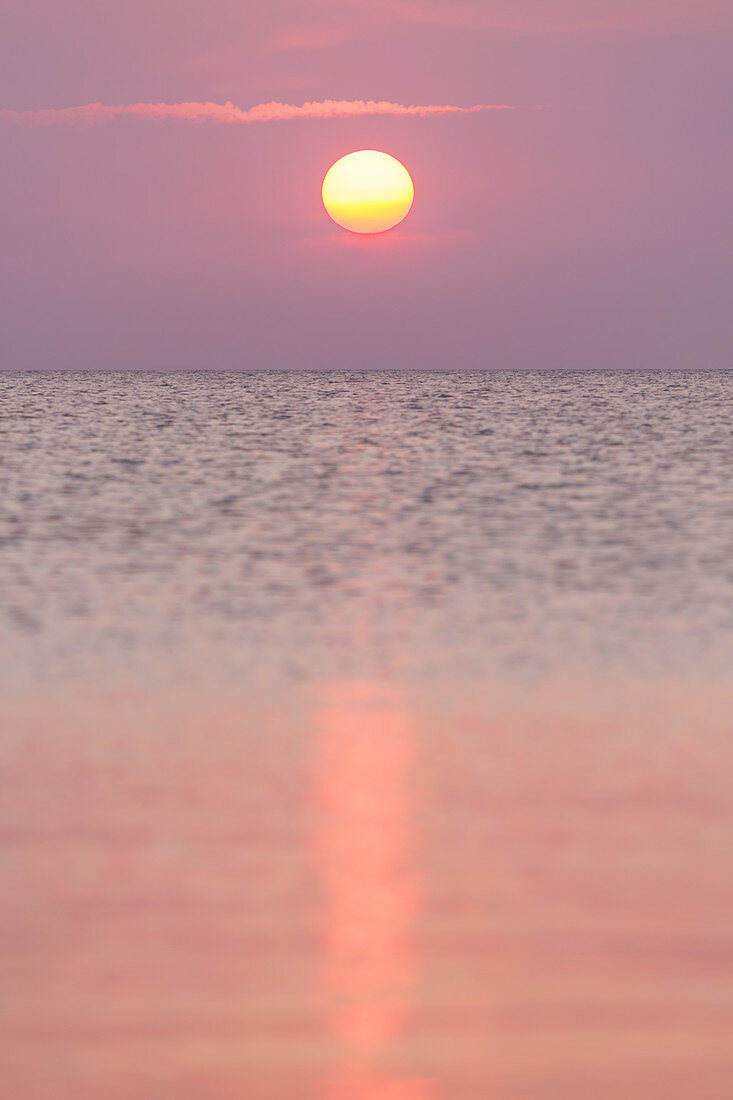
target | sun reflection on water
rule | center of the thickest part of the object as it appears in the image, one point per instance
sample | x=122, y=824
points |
x=364, y=849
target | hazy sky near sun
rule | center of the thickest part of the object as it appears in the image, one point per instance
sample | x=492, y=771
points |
x=592, y=232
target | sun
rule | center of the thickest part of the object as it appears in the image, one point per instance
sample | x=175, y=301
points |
x=368, y=191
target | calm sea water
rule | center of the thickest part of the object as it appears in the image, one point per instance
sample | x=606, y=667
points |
x=223, y=523
x=367, y=736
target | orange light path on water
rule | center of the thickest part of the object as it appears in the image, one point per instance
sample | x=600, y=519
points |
x=363, y=848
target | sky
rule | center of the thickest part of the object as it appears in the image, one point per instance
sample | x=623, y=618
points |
x=587, y=228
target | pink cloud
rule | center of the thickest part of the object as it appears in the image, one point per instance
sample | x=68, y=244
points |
x=534, y=16
x=92, y=113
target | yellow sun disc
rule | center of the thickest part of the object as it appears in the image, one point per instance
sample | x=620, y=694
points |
x=368, y=192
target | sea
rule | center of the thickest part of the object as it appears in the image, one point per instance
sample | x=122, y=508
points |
x=366, y=735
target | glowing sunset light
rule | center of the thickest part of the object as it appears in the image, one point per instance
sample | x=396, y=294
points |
x=368, y=192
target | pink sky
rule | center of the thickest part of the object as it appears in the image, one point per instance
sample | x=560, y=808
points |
x=592, y=233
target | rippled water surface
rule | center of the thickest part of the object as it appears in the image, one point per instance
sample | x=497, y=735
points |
x=367, y=736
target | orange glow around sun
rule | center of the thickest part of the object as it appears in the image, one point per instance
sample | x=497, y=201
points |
x=368, y=192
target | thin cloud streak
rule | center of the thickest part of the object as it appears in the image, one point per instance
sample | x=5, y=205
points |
x=95, y=113
x=549, y=16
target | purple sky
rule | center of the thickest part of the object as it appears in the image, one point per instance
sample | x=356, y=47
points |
x=594, y=232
